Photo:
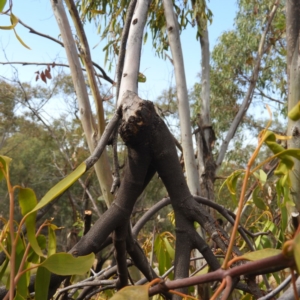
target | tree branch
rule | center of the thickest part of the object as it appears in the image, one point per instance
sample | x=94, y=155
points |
x=248, y=98
x=31, y=30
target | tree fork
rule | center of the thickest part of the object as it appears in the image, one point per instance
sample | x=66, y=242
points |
x=151, y=147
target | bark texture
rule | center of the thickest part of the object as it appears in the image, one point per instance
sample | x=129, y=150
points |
x=293, y=66
x=151, y=148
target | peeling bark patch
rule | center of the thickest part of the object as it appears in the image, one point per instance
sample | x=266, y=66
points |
x=134, y=21
x=81, y=111
x=136, y=126
x=296, y=136
x=295, y=132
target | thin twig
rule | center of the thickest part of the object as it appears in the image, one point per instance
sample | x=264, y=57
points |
x=278, y=289
x=24, y=63
x=31, y=30
x=249, y=95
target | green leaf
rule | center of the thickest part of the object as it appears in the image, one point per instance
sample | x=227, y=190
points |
x=66, y=264
x=284, y=217
x=4, y=166
x=145, y=37
x=42, y=282
x=279, y=151
x=262, y=176
x=259, y=202
x=19, y=297
x=296, y=250
x=132, y=292
x=51, y=239
x=231, y=181
x=97, y=12
x=260, y=254
x=14, y=21
x=3, y=268
x=160, y=254
x=169, y=248
x=141, y=77
x=22, y=282
x=27, y=201
x=33, y=257
x=294, y=113
x=20, y=40
x=60, y=187
x=2, y=4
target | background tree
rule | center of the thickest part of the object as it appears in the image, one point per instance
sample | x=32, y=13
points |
x=151, y=148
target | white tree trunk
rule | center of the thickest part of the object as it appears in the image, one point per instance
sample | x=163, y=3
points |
x=293, y=65
x=86, y=116
x=130, y=74
x=182, y=98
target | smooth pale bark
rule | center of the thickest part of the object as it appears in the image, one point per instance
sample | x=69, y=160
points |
x=105, y=174
x=205, y=135
x=129, y=81
x=182, y=98
x=88, y=123
x=293, y=30
x=122, y=49
x=202, y=139
x=249, y=95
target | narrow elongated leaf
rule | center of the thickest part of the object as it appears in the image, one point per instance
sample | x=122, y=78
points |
x=60, y=187
x=4, y=163
x=33, y=257
x=232, y=181
x=14, y=21
x=20, y=40
x=51, y=239
x=169, y=248
x=66, y=264
x=42, y=282
x=22, y=282
x=260, y=254
x=97, y=12
x=284, y=218
x=27, y=201
x=258, y=201
x=132, y=292
x=3, y=268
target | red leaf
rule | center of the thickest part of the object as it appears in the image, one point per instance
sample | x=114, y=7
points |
x=43, y=77
x=37, y=77
x=48, y=74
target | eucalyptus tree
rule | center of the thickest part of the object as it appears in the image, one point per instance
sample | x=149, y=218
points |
x=293, y=60
x=151, y=147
